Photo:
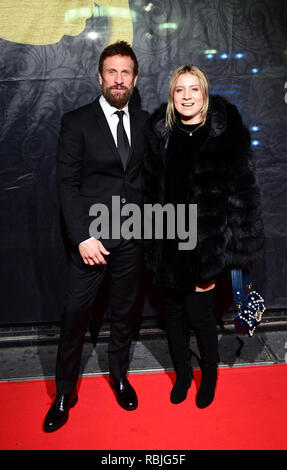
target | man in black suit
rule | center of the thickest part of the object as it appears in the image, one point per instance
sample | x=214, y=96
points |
x=100, y=156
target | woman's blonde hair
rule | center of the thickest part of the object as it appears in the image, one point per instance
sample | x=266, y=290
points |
x=204, y=85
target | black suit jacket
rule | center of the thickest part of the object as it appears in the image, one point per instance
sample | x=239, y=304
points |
x=89, y=167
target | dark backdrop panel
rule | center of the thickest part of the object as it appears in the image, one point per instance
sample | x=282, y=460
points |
x=241, y=44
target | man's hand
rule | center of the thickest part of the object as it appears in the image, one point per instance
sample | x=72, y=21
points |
x=92, y=252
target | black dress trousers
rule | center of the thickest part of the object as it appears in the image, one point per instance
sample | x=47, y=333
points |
x=125, y=266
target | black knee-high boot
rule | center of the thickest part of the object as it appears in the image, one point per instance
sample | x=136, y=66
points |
x=178, y=339
x=200, y=309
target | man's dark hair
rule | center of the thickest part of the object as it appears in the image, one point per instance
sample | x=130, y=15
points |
x=118, y=48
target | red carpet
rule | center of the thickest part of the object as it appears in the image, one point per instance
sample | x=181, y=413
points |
x=249, y=412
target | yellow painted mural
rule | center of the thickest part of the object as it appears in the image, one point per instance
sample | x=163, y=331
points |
x=46, y=22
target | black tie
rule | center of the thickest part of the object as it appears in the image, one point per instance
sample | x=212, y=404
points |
x=122, y=139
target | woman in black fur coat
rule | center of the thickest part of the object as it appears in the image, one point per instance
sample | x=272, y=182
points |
x=199, y=153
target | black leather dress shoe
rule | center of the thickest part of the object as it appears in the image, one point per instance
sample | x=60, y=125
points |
x=59, y=412
x=125, y=394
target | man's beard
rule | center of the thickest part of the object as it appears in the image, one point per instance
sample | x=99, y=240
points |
x=118, y=100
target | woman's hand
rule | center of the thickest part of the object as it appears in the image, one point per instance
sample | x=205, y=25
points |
x=205, y=287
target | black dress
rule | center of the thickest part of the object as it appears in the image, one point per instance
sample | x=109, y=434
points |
x=179, y=268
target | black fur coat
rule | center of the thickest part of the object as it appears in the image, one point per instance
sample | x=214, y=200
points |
x=222, y=184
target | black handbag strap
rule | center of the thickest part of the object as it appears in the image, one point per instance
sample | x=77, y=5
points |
x=237, y=278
